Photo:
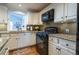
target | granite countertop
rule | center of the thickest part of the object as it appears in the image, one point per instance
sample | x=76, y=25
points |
x=23, y=31
x=18, y=31
x=64, y=36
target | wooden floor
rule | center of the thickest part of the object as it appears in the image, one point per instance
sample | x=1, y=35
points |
x=25, y=51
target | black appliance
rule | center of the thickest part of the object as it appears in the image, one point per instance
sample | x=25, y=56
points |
x=42, y=40
x=42, y=43
x=51, y=30
x=48, y=16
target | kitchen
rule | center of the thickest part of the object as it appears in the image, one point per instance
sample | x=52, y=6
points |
x=38, y=28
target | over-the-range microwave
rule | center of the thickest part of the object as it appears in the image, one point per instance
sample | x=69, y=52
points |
x=48, y=16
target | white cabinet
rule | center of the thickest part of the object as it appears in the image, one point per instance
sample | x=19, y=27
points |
x=71, y=9
x=65, y=12
x=59, y=46
x=50, y=49
x=68, y=44
x=3, y=14
x=19, y=40
x=30, y=18
x=26, y=39
x=12, y=43
x=36, y=19
x=33, y=18
x=55, y=50
x=59, y=12
x=65, y=51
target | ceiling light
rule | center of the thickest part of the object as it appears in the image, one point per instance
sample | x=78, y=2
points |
x=19, y=5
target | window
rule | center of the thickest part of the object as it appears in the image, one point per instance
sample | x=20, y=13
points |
x=17, y=21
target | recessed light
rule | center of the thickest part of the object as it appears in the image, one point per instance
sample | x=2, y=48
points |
x=20, y=5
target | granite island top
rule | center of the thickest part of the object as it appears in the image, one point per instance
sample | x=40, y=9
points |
x=64, y=36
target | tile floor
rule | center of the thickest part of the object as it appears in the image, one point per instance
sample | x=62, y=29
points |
x=25, y=51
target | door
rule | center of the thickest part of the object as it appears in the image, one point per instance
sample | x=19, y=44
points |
x=42, y=43
x=12, y=43
x=55, y=50
x=66, y=52
x=50, y=49
x=71, y=10
x=25, y=39
x=59, y=12
x=3, y=14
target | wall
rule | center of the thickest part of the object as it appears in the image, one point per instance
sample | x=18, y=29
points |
x=71, y=26
x=3, y=27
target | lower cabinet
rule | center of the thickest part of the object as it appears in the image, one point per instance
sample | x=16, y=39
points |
x=20, y=40
x=58, y=46
x=12, y=43
x=50, y=49
x=55, y=50
x=66, y=52
x=26, y=39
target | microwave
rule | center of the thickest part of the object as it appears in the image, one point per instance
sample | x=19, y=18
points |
x=48, y=16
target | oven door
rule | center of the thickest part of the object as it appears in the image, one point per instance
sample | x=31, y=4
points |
x=42, y=43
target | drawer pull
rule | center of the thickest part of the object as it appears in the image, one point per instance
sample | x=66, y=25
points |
x=58, y=49
x=67, y=44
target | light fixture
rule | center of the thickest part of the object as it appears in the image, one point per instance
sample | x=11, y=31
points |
x=20, y=5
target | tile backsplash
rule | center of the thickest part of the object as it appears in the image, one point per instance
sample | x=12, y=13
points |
x=71, y=27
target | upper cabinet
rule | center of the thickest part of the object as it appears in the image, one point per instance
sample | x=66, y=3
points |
x=3, y=14
x=71, y=11
x=33, y=18
x=65, y=12
x=36, y=19
x=59, y=12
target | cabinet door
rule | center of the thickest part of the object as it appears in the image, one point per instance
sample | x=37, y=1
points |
x=59, y=12
x=12, y=43
x=71, y=10
x=50, y=49
x=30, y=18
x=3, y=14
x=66, y=52
x=55, y=50
x=36, y=18
x=26, y=39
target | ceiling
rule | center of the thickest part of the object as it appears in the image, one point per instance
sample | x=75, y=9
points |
x=35, y=7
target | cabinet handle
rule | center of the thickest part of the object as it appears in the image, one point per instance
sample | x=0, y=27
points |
x=67, y=44
x=61, y=17
x=58, y=49
x=66, y=16
x=58, y=41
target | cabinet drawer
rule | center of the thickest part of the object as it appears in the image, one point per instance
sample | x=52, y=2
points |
x=50, y=39
x=50, y=49
x=54, y=40
x=68, y=44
